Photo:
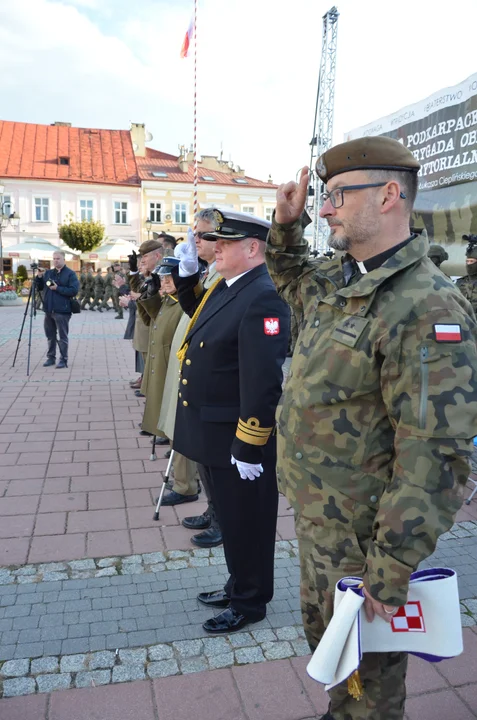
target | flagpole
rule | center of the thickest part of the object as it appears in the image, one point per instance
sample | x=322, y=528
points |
x=196, y=202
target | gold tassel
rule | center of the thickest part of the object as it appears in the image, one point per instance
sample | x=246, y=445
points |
x=355, y=686
x=182, y=352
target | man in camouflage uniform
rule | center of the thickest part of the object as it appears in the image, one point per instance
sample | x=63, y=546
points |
x=88, y=289
x=437, y=254
x=468, y=284
x=376, y=421
x=82, y=284
x=117, y=271
x=108, y=289
x=98, y=291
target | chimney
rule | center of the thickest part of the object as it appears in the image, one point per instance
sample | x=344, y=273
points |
x=183, y=159
x=61, y=124
x=138, y=139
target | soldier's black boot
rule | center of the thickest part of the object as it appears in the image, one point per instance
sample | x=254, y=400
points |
x=100, y=310
x=119, y=317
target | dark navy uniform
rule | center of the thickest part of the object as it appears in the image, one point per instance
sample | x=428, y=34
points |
x=230, y=384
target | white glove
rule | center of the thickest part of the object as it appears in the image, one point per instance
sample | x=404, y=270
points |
x=187, y=254
x=246, y=470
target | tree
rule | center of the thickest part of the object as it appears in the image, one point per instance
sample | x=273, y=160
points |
x=22, y=275
x=85, y=235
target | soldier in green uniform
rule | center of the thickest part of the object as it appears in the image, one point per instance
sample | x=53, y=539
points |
x=437, y=254
x=82, y=284
x=117, y=271
x=108, y=289
x=98, y=291
x=376, y=421
x=88, y=296
x=468, y=284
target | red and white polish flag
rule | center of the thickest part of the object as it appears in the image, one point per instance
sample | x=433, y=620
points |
x=188, y=39
x=447, y=333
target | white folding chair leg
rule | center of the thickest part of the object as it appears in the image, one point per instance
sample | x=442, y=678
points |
x=468, y=501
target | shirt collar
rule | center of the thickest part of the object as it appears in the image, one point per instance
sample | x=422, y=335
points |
x=237, y=277
x=376, y=261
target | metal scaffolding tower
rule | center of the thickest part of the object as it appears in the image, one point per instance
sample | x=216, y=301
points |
x=323, y=126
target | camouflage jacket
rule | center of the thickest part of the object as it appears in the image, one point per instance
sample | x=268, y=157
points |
x=108, y=280
x=89, y=282
x=82, y=281
x=376, y=419
x=98, y=283
x=468, y=287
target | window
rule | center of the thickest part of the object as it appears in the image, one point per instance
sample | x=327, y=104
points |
x=86, y=209
x=241, y=181
x=120, y=212
x=64, y=160
x=180, y=213
x=207, y=178
x=7, y=206
x=159, y=174
x=269, y=213
x=42, y=209
x=155, y=212
x=248, y=209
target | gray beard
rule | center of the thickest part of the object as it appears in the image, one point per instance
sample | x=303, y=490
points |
x=338, y=243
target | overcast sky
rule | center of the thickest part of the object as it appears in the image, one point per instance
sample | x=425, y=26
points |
x=105, y=63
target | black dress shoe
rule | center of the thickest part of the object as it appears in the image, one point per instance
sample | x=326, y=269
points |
x=197, y=522
x=162, y=441
x=167, y=454
x=228, y=621
x=138, y=393
x=144, y=432
x=62, y=364
x=49, y=362
x=217, y=598
x=174, y=498
x=208, y=539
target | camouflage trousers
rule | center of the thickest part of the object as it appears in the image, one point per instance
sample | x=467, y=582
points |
x=325, y=557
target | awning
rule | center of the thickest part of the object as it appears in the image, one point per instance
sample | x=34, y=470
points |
x=114, y=250
x=37, y=248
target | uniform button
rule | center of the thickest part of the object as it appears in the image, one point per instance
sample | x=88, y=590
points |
x=201, y=344
x=155, y=327
x=153, y=357
x=184, y=382
x=188, y=362
x=152, y=372
x=374, y=498
x=185, y=403
x=298, y=456
x=180, y=394
x=317, y=322
x=152, y=342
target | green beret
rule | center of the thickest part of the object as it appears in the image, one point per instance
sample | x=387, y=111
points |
x=369, y=153
x=437, y=251
x=149, y=245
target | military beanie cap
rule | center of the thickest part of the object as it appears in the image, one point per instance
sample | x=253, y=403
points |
x=437, y=251
x=369, y=153
x=148, y=246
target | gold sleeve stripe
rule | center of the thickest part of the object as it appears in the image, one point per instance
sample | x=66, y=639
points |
x=250, y=432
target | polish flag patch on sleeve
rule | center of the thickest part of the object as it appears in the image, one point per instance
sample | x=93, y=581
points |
x=271, y=326
x=448, y=333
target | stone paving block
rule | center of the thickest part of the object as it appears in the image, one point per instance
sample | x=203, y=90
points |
x=48, y=683
x=126, y=673
x=119, y=640
x=221, y=661
x=131, y=657
x=97, y=643
x=164, y=668
x=92, y=679
x=188, y=648
x=247, y=655
x=73, y=663
x=18, y=686
x=100, y=660
x=44, y=665
x=193, y=665
x=15, y=668
x=244, y=639
x=74, y=646
x=31, y=650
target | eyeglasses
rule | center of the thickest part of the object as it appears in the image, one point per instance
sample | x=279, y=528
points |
x=201, y=235
x=336, y=197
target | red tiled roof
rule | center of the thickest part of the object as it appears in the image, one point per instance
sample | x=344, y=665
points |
x=156, y=161
x=29, y=151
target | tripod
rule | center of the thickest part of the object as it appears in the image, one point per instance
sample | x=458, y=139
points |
x=31, y=304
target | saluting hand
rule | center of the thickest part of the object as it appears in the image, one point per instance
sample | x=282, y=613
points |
x=291, y=198
x=187, y=254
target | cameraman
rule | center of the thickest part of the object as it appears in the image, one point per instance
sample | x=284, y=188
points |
x=60, y=285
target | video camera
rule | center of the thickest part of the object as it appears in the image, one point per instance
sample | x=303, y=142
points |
x=472, y=240
x=34, y=266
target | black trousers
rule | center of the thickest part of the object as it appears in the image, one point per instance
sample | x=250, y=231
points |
x=214, y=520
x=57, y=323
x=247, y=512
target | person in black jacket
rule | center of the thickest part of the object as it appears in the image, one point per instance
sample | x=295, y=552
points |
x=229, y=387
x=60, y=284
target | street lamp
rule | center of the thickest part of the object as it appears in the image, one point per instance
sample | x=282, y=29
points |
x=148, y=225
x=12, y=219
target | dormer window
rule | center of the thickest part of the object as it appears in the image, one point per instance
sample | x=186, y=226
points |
x=64, y=160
